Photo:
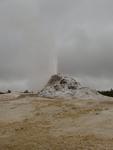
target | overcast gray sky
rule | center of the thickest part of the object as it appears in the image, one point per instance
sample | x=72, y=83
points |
x=33, y=33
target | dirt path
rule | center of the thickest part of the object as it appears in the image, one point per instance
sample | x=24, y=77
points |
x=32, y=123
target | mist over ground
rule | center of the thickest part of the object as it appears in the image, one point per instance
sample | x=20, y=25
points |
x=36, y=35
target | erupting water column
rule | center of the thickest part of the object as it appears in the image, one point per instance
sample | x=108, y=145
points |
x=55, y=65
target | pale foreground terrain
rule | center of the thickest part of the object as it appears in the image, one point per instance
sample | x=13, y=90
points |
x=31, y=123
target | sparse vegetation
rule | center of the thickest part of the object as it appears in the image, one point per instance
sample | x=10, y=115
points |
x=2, y=93
x=9, y=91
x=107, y=93
x=26, y=91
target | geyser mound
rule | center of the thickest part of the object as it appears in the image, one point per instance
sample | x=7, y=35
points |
x=65, y=86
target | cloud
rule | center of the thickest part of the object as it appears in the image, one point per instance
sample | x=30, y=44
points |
x=25, y=48
x=34, y=32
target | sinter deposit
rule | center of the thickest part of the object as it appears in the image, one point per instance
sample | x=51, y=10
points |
x=65, y=86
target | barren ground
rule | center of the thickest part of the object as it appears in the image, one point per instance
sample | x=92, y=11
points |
x=28, y=122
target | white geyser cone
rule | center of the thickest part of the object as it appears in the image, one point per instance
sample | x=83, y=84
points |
x=65, y=86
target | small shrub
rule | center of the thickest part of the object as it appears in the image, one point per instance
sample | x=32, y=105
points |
x=26, y=91
x=9, y=91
